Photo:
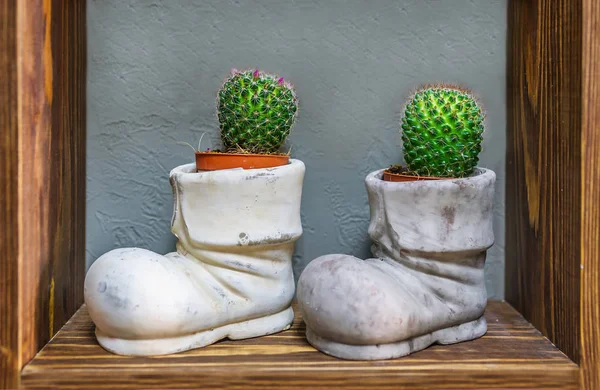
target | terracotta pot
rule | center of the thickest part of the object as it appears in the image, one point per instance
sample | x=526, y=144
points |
x=396, y=177
x=206, y=161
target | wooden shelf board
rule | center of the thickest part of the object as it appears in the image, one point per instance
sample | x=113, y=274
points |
x=512, y=354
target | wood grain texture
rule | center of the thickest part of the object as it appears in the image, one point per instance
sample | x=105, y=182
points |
x=9, y=345
x=544, y=182
x=553, y=180
x=511, y=354
x=590, y=191
x=66, y=187
x=43, y=174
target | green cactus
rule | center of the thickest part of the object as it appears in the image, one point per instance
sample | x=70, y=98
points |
x=256, y=112
x=442, y=132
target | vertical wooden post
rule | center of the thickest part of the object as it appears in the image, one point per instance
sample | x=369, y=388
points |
x=9, y=245
x=42, y=181
x=553, y=175
x=590, y=192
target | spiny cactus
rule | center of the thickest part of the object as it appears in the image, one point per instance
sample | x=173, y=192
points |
x=256, y=112
x=442, y=132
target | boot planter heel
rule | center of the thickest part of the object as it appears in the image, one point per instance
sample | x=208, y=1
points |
x=231, y=275
x=425, y=284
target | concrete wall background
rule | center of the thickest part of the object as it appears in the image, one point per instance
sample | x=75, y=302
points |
x=154, y=68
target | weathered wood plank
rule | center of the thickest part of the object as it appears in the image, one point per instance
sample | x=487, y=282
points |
x=9, y=344
x=553, y=180
x=511, y=354
x=590, y=210
x=52, y=166
x=66, y=188
x=42, y=182
x=543, y=194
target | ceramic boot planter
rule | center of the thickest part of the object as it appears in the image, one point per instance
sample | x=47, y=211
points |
x=426, y=282
x=231, y=275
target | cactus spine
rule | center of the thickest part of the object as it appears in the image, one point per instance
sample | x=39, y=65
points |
x=256, y=112
x=442, y=132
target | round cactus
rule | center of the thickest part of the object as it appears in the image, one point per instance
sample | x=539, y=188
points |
x=256, y=112
x=442, y=132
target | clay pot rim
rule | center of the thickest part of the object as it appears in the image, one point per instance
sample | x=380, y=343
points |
x=401, y=177
x=405, y=178
x=243, y=154
x=216, y=161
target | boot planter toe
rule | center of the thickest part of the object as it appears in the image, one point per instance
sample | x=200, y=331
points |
x=231, y=275
x=426, y=283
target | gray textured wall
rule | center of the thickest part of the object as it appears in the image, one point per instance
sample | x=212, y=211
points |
x=155, y=67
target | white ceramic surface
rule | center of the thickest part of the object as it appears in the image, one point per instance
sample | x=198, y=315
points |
x=231, y=275
x=426, y=282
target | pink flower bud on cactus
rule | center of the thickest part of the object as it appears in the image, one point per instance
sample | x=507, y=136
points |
x=234, y=71
x=280, y=81
x=255, y=74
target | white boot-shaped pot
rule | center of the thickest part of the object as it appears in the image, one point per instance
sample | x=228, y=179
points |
x=230, y=277
x=426, y=282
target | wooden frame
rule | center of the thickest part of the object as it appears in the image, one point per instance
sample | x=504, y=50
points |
x=553, y=179
x=42, y=176
x=552, y=194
